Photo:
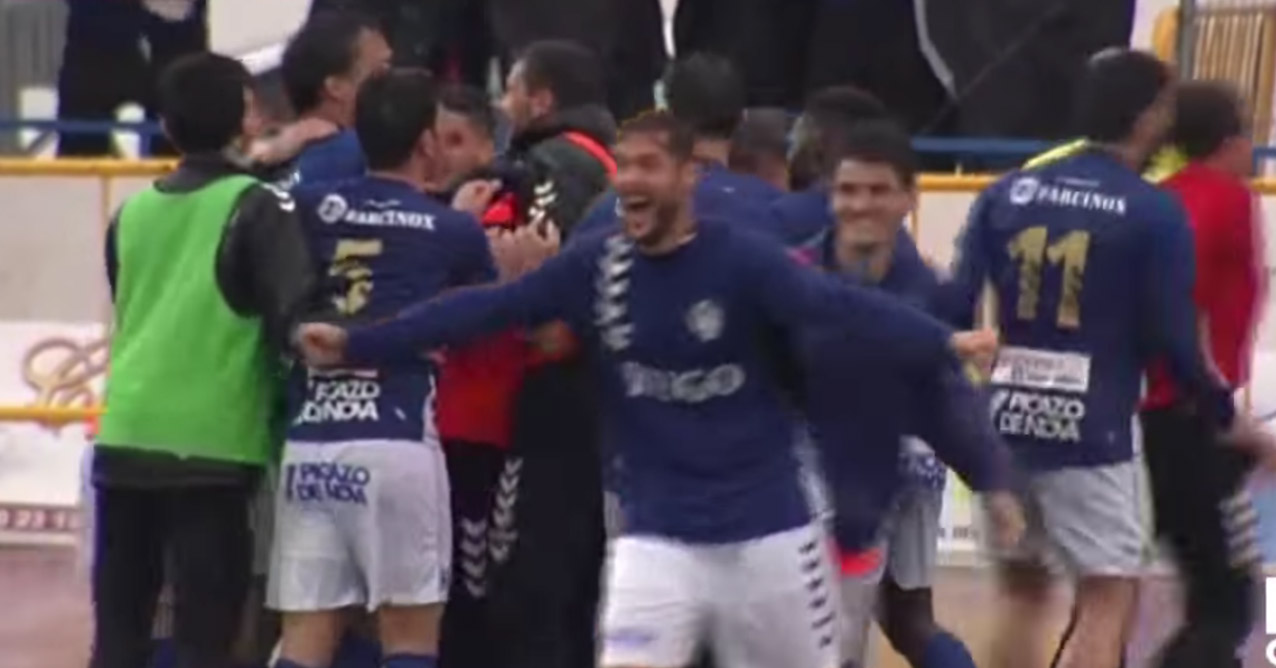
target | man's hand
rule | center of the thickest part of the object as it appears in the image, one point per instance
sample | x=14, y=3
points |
x=291, y=140
x=1005, y=519
x=523, y=250
x=978, y=347
x=321, y=344
x=474, y=197
x=1249, y=435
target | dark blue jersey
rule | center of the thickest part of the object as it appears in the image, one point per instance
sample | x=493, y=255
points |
x=382, y=245
x=1092, y=267
x=867, y=416
x=802, y=215
x=691, y=407
x=333, y=158
x=721, y=194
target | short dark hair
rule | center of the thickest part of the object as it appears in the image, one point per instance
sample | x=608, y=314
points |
x=881, y=142
x=471, y=103
x=1207, y=114
x=844, y=106
x=569, y=71
x=201, y=101
x=707, y=93
x=677, y=136
x=1117, y=88
x=391, y=112
x=762, y=134
x=326, y=46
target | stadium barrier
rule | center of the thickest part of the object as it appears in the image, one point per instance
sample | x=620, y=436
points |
x=52, y=355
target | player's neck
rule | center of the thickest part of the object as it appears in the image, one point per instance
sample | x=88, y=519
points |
x=1134, y=157
x=327, y=112
x=680, y=234
x=711, y=151
x=406, y=174
x=868, y=262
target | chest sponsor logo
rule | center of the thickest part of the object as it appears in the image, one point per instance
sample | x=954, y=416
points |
x=691, y=387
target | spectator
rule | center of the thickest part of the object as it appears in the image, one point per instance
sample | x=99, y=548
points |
x=193, y=382
x=111, y=55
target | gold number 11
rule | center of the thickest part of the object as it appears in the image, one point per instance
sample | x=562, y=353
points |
x=1032, y=250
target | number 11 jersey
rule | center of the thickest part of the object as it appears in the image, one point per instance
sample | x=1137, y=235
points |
x=379, y=245
x=1091, y=267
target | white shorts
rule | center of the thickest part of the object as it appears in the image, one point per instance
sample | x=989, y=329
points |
x=361, y=523
x=757, y=604
x=1083, y=522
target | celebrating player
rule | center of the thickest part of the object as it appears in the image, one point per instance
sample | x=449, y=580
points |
x=363, y=509
x=1092, y=269
x=719, y=544
x=885, y=482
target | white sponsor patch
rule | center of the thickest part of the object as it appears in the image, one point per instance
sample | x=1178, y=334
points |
x=1042, y=370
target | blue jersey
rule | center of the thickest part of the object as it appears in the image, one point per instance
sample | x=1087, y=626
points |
x=381, y=245
x=691, y=408
x=869, y=418
x=1092, y=267
x=802, y=215
x=333, y=158
x=720, y=193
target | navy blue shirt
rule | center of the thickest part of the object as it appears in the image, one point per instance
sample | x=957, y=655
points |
x=802, y=215
x=381, y=245
x=864, y=413
x=720, y=193
x=691, y=408
x=333, y=158
x=1093, y=269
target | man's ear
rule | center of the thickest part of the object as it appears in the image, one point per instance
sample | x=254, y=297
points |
x=542, y=102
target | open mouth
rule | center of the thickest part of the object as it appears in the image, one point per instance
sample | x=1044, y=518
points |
x=637, y=204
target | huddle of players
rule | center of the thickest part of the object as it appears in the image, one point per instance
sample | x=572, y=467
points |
x=694, y=321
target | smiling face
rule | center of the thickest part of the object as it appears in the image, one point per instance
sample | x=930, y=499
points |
x=870, y=201
x=653, y=186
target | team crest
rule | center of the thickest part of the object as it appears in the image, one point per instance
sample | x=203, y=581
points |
x=705, y=320
x=1023, y=190
x=332, y=208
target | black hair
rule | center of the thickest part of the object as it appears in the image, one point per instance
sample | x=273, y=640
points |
x=326, y=46
x=471, y=103
x=1207, y=114
x=569, y=71
x=677, y=136
x=201, y=101
x=843, y=106
x=707, y=93
x=1117, y=88
x=391, y=112
x=881, y=142
x=763, y=134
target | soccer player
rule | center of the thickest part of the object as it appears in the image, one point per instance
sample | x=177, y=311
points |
x=873, y=432
x=208, y=272
x=363, y=509
x=1199, y=494
x=705, y=92
x=719, y=545
x=760, y=147
x=466, y=125
x=827, y=117
x=1092, y=270
x=323, y=67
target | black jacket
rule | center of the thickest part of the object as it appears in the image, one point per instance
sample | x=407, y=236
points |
x=549, y=174
x=263, y=269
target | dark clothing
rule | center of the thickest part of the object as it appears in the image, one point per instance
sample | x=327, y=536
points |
x=205, y=531
x=264, y=269
x=104, y=65
x=549, y=157
x=1203, y=513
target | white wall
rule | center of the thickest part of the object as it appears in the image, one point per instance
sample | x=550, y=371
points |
x=239, y=26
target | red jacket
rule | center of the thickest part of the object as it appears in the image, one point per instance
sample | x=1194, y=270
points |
x=1231, y=273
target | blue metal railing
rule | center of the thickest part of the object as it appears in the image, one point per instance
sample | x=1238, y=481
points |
x=955, y=147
